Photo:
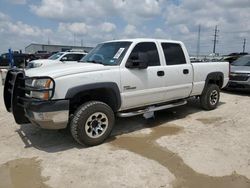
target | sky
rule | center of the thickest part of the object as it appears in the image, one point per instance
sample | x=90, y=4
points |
x=72, y=22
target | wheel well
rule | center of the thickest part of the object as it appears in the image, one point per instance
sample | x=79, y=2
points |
x=103, y=94
x=218, y=82
x=215, y=78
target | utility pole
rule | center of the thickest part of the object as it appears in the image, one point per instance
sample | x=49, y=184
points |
x=244, y=45
x=198, y=42
x=74, y=39
x=81, y=42
x=215, y=38
x=48, y=41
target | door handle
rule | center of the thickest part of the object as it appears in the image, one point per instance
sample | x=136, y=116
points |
x=185, y=71
x=160, y=73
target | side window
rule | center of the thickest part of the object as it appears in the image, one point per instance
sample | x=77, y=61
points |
x=173, y=54
x=72, y=57
x=151, y=51
x=79, y=57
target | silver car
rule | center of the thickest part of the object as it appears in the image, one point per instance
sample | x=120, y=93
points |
x=240, y=74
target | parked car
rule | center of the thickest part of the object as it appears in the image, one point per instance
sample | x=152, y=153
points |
x=233, y=56
x=69, y=56
x=240, y=74
x=117, y=78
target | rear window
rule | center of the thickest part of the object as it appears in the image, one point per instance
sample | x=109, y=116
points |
x=173, y=54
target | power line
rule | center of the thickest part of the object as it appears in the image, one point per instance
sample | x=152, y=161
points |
x=215, y=38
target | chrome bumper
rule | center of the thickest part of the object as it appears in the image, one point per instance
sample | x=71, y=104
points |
x=49, y=120
x=48, y=114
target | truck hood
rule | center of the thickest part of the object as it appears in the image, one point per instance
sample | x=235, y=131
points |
x=240, y=69
x=59, y=70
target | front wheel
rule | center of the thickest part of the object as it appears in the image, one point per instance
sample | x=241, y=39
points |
x=210, y=97
x=92, y=123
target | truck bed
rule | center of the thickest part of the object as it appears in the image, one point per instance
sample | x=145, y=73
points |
x=202, y=69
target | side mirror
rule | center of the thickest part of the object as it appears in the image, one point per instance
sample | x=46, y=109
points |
x=137, y=60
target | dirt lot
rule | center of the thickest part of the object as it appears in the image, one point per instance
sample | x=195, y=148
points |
x=183, y=147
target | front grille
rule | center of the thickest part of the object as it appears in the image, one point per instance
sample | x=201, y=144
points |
x=239, y=77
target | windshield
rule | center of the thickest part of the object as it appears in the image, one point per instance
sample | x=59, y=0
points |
x=242, y=61
x=110, y=53
x=56, y=56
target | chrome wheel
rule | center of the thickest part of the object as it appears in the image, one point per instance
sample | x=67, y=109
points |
x=96, y=125
x=214, y=96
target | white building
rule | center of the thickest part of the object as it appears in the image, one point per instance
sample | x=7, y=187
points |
x=33, y=48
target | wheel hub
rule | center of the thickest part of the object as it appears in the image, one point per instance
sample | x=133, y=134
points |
x=96, y=125
x=214, y=97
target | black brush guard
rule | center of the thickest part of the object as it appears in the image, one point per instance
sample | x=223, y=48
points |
x=15, y=99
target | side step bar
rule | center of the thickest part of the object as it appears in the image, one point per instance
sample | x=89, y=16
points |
x=151, y=109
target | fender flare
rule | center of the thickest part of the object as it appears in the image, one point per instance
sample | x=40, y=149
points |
x=111, y=86
x=214, y=76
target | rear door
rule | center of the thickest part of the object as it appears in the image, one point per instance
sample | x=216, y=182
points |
x=178, y=72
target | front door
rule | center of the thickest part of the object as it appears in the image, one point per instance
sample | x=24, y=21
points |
x=142, y=87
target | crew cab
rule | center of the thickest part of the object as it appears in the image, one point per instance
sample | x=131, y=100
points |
x=69, y=56
x=117, y=78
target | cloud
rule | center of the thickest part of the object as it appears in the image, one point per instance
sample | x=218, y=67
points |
x=182, y=21
x=107, y=27
x=68, y=10
x=79, y=28
x=97, y=20
x=17, y=34
x=4, y=17
x=82, y=28
x=65, y=10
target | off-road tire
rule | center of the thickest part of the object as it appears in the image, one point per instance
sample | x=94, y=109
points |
x=82, y=115
x=207, y=99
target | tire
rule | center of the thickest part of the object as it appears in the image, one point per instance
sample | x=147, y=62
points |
x=210, y=97
x=92, y=123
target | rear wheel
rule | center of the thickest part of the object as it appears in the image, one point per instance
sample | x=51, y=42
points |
x=210, y=97
x=92, y=123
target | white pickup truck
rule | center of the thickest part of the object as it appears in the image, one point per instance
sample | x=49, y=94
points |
x=117, y=78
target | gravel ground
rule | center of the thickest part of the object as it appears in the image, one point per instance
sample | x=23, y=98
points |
x=182, y=147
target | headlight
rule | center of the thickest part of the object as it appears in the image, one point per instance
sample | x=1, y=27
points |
x=41, y=88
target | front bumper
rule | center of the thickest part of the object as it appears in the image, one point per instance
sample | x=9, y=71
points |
x=48, y=114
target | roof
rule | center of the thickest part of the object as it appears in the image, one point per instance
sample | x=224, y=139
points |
x=145, y=40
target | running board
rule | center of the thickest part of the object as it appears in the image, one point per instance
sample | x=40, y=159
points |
x=151, y=109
